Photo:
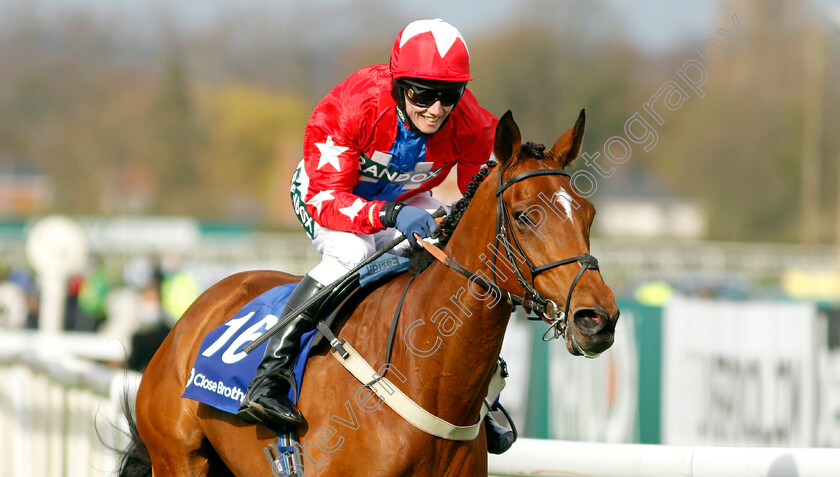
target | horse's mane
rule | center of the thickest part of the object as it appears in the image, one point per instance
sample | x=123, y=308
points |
x=450, y=222
x=447, y=227
x=420, y=258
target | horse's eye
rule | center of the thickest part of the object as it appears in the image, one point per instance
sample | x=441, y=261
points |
x=522, y=218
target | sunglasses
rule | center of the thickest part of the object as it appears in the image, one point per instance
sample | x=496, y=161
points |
x=424, y=97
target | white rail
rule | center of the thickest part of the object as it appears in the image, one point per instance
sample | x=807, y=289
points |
x=293, y=252
x=60, y=416
x=547, y=458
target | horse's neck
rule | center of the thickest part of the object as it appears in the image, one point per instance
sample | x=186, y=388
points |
x=457, y=336
x=458, y=325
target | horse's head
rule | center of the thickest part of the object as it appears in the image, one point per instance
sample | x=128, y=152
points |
x=546, y=225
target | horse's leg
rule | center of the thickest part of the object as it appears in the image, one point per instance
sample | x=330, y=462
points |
x=238, y=444
x=166, y=422
x=173, y=428
x=174, y=445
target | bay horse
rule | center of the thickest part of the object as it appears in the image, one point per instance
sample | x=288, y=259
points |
x=525, y=213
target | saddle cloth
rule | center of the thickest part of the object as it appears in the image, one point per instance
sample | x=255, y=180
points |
x=222, y=371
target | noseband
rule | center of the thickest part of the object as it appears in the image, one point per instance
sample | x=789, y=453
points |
x=532, y=300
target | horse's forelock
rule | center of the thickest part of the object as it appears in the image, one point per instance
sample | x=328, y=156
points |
x=534, y=150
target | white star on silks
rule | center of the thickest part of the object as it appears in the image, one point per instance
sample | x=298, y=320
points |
x=329, y=153
x=353, y=210
x=444, y=37
x=320, y=198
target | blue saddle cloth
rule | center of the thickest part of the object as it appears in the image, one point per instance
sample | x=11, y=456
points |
x=222, y=371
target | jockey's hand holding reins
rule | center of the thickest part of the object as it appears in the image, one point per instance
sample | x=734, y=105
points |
x=327, y=289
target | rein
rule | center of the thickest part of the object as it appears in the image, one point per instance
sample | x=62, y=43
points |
x=531, y=299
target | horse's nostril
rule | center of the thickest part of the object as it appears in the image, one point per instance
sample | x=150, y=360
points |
x=588, y=320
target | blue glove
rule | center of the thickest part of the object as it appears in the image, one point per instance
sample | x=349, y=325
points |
x=411, y=220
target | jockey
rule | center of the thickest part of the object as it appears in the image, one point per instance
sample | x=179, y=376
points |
x=373, y=149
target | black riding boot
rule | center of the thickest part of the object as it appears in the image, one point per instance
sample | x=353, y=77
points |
x=266, y=397
x=499, y=438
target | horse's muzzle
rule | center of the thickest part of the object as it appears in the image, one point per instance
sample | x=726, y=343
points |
x=591, y=332
x=590, y=321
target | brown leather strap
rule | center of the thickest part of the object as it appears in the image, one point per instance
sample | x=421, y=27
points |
x=432, y=249
x=442, y=257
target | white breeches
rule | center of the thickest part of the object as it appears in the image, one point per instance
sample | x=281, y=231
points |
x=341, y=251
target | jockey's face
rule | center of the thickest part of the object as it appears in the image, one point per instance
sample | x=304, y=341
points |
x=429, y=119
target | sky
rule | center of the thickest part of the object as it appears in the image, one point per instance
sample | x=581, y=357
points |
x=657, y=24
x=654, y=25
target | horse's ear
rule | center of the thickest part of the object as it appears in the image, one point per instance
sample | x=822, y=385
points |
x=508, y=139
x=567, y=148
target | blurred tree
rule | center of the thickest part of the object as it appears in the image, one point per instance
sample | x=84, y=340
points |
x=179, y=163
x=144, y=114
x=739, y=147
x=558, y=58
x=251, y=132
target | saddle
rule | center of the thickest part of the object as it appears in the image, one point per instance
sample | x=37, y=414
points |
x=345, y=297
x=222, y=370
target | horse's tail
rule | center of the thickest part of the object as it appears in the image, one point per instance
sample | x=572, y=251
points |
x=134, y=459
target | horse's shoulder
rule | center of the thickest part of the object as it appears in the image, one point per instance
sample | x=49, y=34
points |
x=380, y=300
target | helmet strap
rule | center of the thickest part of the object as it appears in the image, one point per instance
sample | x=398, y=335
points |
x=398, y=93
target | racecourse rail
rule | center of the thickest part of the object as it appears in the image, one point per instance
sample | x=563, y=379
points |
x=60, y=415
x=293, y=253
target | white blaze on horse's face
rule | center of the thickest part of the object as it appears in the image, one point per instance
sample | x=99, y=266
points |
x=565, y=200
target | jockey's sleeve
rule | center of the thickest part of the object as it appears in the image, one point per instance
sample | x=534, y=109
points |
x=331, y=150
x=474, y=149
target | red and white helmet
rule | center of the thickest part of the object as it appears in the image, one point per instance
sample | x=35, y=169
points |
x=430, y=49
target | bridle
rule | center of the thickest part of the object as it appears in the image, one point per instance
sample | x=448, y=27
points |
x=531, y=299
x=557, y=319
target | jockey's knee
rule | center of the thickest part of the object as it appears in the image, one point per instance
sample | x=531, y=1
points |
x=339, y=260
x=352, y=250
